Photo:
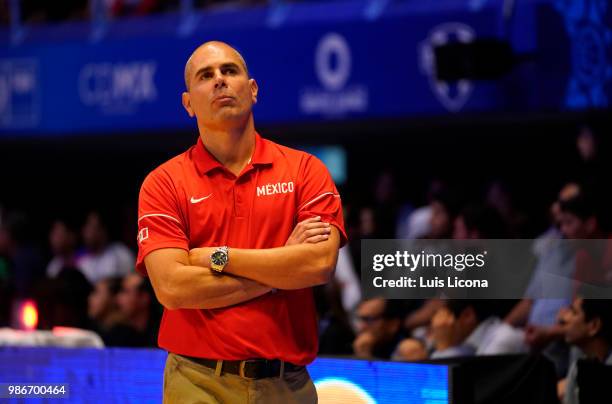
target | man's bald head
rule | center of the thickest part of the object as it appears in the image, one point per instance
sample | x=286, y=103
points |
x=189, y=64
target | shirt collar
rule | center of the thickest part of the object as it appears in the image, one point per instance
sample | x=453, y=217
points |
x=206, y=162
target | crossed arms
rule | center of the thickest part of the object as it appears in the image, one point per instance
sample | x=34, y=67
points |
x=183, y=280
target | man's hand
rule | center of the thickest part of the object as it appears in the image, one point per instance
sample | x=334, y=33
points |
x=363, y=345
x=443, y=329
x=311, y=230
x=561, y=384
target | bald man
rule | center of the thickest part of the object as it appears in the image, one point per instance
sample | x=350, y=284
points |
x=233, y=234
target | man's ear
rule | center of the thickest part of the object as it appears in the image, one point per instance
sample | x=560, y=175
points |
x=187, y=104
x=254, y=90
x=594, y=326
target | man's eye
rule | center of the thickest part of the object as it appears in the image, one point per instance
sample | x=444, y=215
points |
x=229, y=71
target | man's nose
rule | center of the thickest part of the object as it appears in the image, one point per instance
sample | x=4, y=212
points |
x=219, y=80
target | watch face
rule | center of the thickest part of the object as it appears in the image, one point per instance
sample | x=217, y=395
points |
x=219, y=258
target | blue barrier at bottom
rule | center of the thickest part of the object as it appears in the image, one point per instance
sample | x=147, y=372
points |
x=135, y=375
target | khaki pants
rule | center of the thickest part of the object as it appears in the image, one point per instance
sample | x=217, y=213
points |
x=186, y=382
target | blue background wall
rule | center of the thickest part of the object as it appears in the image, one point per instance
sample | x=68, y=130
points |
x=315, y=62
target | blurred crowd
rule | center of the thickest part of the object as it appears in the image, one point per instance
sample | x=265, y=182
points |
x=88, y=282
x=84, y=277
x=564, y=329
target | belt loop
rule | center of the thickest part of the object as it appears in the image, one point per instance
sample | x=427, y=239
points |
x=219, y=367
x=282, y=369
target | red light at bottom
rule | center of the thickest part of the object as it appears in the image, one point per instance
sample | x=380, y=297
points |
x=29, y=315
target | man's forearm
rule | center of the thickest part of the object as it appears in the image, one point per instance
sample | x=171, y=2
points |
x=193, y=287
x=290, y=267
x=199, y=288
x=248, y=292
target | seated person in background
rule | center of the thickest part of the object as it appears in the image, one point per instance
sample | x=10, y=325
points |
x=472, y=327
x=582, y=220
x=445, y=206
x=551, y=286
x=102, y=307
x=102, y=257
x=140, y=314
x=535, y=310
x=587, y=324
x=63, y=238
x=479, y=221
x=378, y=328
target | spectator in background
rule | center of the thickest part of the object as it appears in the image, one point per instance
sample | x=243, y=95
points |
x=552, y=285
x=542, y=243
x=102, y=307
x=418, y=222
x=587, y=324
x=501, y=199
x=581, y=220
x=102, y=257
x=386, y=204
x=366, y=227
x=477, y=221
x=63, y=242
x=580, y=216
x=379, y=328
x=368, y=223
x=553, y=260
x=140, y=314
x=481, y=221
x=473, y=327
x=23, y=257
x=445, y=206
x=416, y=225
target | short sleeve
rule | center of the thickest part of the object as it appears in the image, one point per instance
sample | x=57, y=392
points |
x=318, y=196
x=160, y=221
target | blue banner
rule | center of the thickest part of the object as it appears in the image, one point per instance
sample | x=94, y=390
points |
x=313, y=62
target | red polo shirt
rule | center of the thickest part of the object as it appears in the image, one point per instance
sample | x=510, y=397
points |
x=193, y=201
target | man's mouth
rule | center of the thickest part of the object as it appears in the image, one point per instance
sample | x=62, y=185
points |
x=223, y=98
